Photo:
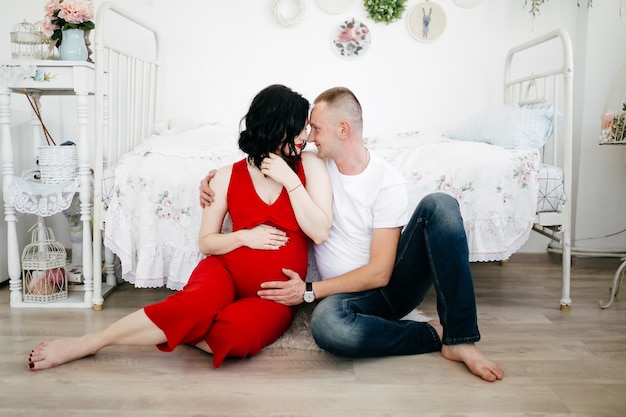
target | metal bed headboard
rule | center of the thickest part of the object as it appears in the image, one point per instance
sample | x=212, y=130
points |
x=550, y=85
x=553, y=84
x=126, y=82
x=125, y=102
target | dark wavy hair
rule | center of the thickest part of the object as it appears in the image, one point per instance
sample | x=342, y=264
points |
x=275, y=118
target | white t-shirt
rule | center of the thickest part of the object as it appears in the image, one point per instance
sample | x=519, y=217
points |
x=375, y=198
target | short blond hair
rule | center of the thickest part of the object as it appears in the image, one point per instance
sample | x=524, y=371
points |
x=344, y=102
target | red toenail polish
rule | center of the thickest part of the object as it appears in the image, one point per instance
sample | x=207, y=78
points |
x=31, y=365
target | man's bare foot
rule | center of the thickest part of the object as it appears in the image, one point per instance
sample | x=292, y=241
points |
x=474, y=360
x=57, y=352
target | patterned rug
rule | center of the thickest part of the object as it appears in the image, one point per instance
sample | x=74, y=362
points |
x=298, y=335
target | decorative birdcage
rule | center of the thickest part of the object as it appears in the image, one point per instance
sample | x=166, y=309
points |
x=44, y=260
x=29, y=42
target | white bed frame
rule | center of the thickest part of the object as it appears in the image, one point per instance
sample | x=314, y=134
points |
x=554, y=85
x=126, y=103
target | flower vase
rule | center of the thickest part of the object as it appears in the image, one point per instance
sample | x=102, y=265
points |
x=73, y=46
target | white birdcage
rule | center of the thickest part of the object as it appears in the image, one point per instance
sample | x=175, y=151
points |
x=44, y=260
x=29, y=42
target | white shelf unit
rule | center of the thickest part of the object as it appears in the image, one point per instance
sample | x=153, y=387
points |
x=69, y=78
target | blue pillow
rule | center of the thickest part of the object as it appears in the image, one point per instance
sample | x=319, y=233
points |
x=508, y=126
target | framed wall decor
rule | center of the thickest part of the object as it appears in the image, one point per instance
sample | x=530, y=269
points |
x=468, y=4
x=426, y=21
x=351, y=39
x=335, y=6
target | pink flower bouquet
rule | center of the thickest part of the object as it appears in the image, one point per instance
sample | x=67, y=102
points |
x=67, y=14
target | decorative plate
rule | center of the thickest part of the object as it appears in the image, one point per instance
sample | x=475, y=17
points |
x=467, y=3
x=426, y=21
x=351, y=39
x=335, y=6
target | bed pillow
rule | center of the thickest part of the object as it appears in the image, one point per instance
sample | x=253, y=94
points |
x=508, y=126
x=205, y=141
x=551, y=191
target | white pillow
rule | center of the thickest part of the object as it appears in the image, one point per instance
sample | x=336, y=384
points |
x=211, y=140
x=551, y=191
x=508, y=126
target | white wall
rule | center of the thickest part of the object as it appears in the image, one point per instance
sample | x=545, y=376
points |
x=601, y=202
x=218, y=55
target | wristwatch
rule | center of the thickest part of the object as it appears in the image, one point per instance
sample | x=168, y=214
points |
x=309, y=295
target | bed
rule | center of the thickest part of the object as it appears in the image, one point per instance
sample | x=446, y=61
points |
x=509, y=166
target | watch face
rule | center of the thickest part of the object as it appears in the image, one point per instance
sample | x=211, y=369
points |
x=309, y=297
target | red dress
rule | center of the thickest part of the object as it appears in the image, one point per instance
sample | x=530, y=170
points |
x=219, y=303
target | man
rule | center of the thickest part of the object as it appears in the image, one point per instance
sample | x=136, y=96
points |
x=376, y=267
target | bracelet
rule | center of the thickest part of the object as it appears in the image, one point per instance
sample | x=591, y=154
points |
x=294, y=188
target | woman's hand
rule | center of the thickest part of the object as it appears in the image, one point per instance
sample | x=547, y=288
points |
x=277, y=169
x=264, y=237
x=289, y=293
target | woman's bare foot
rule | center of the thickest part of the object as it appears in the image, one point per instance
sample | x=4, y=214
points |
x=474, y=360
x=57, y=352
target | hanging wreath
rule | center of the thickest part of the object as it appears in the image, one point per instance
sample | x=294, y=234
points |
x=292, y=20
x=385, y=11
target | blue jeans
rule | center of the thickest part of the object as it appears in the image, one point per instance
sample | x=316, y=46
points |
x=432, y=250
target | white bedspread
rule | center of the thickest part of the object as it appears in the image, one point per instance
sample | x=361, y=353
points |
x=154, y=215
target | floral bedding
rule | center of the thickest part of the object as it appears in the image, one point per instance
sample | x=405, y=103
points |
x=153, y=217
x=496, y=187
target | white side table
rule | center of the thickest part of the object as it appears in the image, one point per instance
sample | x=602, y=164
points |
x=56, y=78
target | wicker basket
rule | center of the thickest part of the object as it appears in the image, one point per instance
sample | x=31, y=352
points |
x=44, y=275
x=58, y=164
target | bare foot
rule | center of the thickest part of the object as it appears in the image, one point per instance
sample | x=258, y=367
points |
x=474, y=360
x=57, y=352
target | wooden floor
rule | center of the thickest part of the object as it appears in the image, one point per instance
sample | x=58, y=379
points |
x=556, y=363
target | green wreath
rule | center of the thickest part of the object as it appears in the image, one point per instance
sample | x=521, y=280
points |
x=385, y=11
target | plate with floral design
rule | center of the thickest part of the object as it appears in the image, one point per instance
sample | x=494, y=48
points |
x=467, y=3
x=335, y=6
x=351, y=39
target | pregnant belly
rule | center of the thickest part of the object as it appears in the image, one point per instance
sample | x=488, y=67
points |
x=251, y=267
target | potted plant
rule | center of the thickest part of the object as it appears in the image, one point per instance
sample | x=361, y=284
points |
x=534, y=5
